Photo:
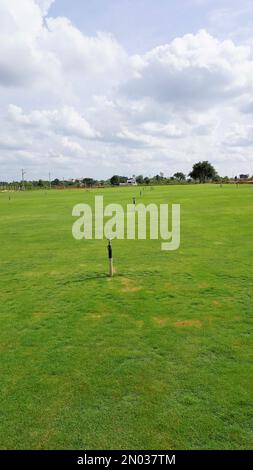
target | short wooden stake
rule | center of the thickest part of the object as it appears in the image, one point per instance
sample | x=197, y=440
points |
x=111, y=267
x=110, y=258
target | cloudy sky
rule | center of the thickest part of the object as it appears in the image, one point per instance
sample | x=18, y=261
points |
x=98, y=87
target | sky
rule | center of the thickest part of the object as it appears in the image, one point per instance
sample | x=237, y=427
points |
x=92, y=88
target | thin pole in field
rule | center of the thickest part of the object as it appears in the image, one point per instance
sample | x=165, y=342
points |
x=49, y=177
x=23, y=178
x=109, y=247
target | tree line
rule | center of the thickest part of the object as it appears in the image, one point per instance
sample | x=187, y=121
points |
x=202, y=172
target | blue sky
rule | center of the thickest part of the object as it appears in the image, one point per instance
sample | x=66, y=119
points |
x=94, y=88
x=142, y=24
x=137, y=24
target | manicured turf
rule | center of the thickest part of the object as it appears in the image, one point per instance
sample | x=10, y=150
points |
x=158, y=357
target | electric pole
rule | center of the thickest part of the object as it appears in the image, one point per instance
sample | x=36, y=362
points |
x=23, y=178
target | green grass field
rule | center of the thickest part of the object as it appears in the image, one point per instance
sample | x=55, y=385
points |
x=159, y=357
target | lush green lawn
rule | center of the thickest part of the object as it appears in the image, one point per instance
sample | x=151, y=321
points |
x=158, y=357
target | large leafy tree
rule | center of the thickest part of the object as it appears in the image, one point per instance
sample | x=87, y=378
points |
x=89, y=182
x=56, y=182
x=179, y=176
x=116, y=180
x=203, y=171
x=140, y=179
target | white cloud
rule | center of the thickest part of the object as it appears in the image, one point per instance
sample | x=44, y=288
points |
x=51, y=54
x=239, y=135
x=66, y=121
x=166, y=130
x=192, y=71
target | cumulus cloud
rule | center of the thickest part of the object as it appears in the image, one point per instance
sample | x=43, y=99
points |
x=166, y=130
x=23, y=62
x=239, y=135
x=75, y=103
x=52, y=54
x=191, y=71
x=66, y=121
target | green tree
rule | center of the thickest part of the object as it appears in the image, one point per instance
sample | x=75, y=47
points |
x=179, y=176
x=88, y=182
x=116, y=180
x=158, y=178
x=140, y=179
x=203, y=171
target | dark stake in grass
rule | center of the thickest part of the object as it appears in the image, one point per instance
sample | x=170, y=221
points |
x=109, y=247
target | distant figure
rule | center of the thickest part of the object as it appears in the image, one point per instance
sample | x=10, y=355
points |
x=134, y=200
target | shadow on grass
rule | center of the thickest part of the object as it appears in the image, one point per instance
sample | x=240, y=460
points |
x=86, y=277
x=102, y=275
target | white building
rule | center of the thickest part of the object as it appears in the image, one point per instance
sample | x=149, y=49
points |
x=130, y=182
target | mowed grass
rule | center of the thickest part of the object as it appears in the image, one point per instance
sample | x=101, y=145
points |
x=158, y=357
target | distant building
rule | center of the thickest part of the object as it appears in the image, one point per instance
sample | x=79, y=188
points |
x=129, y=182
x=244, y=177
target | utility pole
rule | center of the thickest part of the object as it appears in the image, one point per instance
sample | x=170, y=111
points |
x=49, y=178
x=23, y=178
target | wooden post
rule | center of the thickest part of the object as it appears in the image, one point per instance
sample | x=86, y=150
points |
x=110, y=258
